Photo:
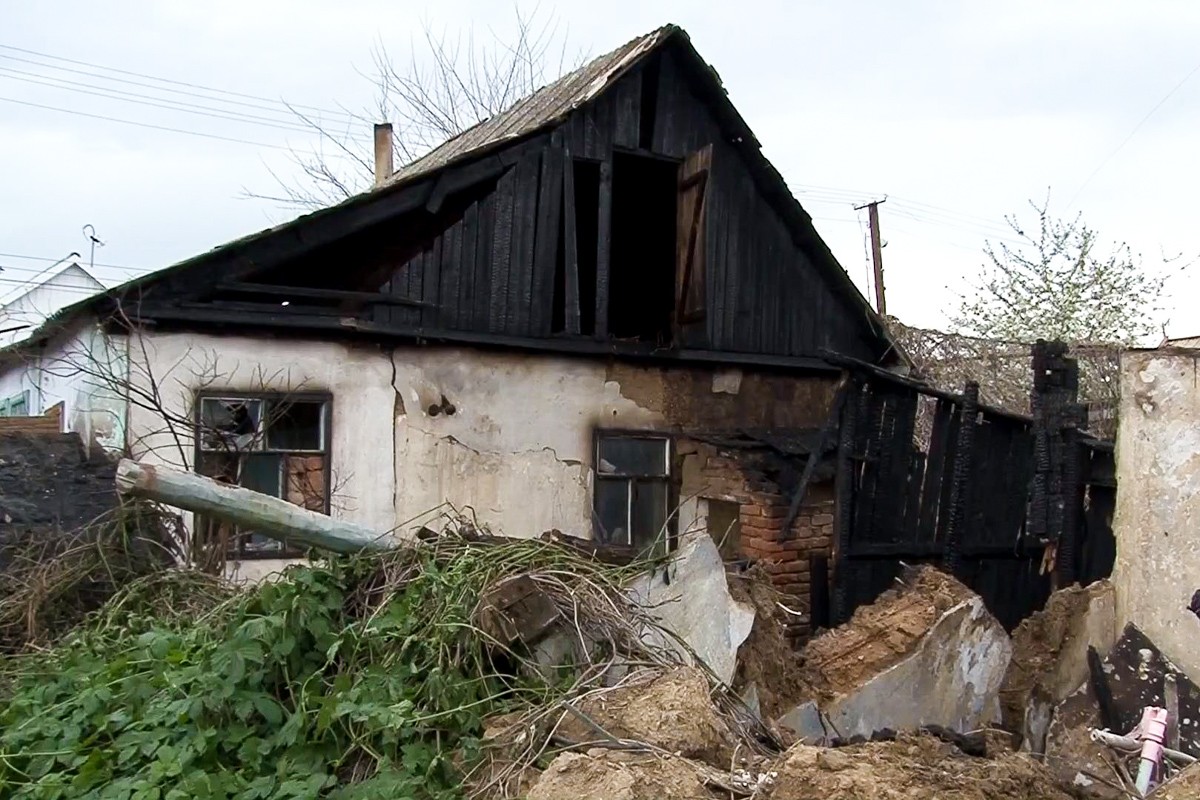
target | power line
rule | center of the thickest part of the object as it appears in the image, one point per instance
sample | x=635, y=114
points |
x=55, y=260
x=164, y=80
x=151, y=126
x=112, y=94
x=286, y=109
x=1133, y=133
x=157, y=102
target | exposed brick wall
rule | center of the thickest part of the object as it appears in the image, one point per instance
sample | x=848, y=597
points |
x=763, y=508
x=49, y=423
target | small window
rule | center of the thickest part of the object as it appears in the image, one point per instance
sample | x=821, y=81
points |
x=15, y=406
x=632, y=493
x=273, y=444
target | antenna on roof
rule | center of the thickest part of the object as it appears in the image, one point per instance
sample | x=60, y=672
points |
x=92, y=238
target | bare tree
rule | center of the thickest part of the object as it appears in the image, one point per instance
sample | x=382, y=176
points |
x=446, y=82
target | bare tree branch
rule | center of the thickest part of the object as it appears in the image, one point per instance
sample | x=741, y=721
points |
x=446, y=83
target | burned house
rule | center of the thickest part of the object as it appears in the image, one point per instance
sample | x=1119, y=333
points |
x=601, y=311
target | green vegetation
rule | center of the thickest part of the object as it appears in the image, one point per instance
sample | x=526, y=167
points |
x=358, y=677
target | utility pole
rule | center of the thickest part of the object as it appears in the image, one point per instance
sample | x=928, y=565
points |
x=876, y=252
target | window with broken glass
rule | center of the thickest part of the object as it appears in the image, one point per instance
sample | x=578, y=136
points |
x=271, y=443
x=632, y=491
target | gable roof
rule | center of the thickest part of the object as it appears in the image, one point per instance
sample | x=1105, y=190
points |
x=546, y=107
x=44, y=277
x=536, y=113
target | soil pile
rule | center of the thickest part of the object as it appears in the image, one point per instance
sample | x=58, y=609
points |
x=671, y=711
x=767, y=660
x=911, y=768
x=611, y=775
x=879, y=635
x=1184, y=786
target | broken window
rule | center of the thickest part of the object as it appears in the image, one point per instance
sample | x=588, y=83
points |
x=632, y=492
x=274, y=444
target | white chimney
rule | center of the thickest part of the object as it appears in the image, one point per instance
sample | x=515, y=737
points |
x=383, y=152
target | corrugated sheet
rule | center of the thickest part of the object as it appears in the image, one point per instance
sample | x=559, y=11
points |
x=545, y=107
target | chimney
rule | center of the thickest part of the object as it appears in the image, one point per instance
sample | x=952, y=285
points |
x=383, y=152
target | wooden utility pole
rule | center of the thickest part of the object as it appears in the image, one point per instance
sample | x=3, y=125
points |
x=876, y=253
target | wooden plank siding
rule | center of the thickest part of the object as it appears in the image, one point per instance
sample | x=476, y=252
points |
x=499, y=268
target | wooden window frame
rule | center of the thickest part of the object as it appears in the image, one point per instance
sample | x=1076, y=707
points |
x=236, y=549
x=667, y=479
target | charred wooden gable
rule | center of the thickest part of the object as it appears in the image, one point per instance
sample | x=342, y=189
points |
x=644, y=217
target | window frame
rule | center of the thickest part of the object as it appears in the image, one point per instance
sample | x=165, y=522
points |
x=21, y=398
x=237, y=550
x=667, y=479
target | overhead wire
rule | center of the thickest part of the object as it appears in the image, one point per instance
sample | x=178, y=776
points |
x=152, y=126
x=171, y=81
x=293, y=126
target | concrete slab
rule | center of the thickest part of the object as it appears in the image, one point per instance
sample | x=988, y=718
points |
x=690, y=597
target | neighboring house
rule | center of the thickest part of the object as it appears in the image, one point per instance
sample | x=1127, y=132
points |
x=601, y=311
x=25, y=388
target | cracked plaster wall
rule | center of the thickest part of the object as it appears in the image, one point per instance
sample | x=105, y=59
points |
x=506, y=435
x=1157, y=519
x=358, y=377
x=518, y=448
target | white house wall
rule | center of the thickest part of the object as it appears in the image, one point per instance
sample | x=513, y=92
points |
x=82, y=368
x=1158, y=505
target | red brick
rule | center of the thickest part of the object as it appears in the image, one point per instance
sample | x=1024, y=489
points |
x=822, y=519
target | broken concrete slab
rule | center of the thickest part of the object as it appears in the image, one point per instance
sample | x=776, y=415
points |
x=929, y=653
x=1135, y=676
x=805, y=721
x=1050, y=657
x=689, y=596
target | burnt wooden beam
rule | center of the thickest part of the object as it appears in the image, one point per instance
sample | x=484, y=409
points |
x=844, y=501
x=848, y=362
x=633, y=351
x=603, y=248
x=453, y=181
x=961, y=478
x=287, y=292
x=549, y=208
x=502, y=245
x=570, y=249
x=824, y=439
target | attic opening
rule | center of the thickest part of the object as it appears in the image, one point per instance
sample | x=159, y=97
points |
x=642, y=254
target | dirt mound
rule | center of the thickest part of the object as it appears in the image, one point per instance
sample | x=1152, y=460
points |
x=879, y=635
x=1040, y=642
x=910, y=768
x=767, y=658
x=1184, y=786
x=670, y=710
x=610, y=775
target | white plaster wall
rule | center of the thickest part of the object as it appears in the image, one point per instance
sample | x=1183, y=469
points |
x=1157, y=519
x=32, y=307
x=83, y=369
x=358, y=378
x=518, y=449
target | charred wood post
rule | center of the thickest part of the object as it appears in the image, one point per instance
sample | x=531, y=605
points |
x=845, y=488
x=1056, y=505
x=964, y=457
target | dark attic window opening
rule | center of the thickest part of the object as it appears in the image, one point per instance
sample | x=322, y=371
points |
x=642, y=252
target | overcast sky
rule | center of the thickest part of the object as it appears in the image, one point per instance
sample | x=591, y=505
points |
x=957, y=112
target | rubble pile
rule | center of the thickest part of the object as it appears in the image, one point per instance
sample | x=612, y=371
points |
x=466, y=665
